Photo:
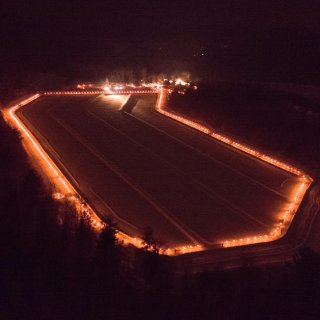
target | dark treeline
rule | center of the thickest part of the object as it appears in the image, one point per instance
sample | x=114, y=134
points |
x=54, y=266
x=280, y=123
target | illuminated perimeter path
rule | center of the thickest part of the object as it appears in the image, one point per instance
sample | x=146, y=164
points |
x=148, y=170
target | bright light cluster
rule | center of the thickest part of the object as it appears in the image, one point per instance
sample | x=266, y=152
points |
x=180, y=82
x=157, y=85
x=165, y=82
x=293, y=206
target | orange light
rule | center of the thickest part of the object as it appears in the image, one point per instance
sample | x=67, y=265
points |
x=68, y=191
x=99, y=224
x=293, y=205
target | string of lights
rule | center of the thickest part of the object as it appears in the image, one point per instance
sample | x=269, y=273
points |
x=91, y=92
x=282, y=226
x=66, y=191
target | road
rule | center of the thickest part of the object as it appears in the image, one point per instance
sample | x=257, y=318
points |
x=145, y=170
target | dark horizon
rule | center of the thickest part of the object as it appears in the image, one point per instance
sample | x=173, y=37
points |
x=248, y=40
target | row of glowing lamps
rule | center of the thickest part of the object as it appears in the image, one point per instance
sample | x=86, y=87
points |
x=93, y=92
x=292, y=208
x=65, y=191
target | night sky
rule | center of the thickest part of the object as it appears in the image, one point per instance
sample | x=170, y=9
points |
x=261, y=40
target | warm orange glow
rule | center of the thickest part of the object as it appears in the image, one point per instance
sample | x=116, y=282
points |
x=180, y=82
x=189, y=123
x=279, y=229
x=98, y=92
x=50, y=165
x=65, y=190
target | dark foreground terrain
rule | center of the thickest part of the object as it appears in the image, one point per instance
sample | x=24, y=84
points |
x=53, y=266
